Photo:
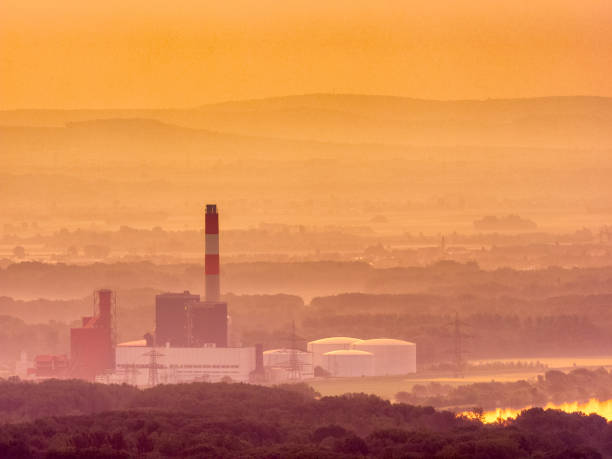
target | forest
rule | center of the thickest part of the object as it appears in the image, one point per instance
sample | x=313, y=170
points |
x=74, y=419
x=579, y=385
x=503, y=313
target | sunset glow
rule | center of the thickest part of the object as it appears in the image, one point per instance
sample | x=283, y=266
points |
x=263, y=228
x=593, y=406
x=140, y=54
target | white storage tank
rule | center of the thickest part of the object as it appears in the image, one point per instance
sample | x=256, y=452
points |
x=391, y=356
x=349, y=362
x=321, y=346
x=281, y=358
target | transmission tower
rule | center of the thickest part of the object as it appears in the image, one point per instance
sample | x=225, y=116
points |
x=294, y=363
x=153, y=366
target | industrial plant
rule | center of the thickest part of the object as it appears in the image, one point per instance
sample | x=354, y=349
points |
x=190, y=343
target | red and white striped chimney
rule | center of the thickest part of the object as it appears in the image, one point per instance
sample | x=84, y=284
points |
x=211, y=266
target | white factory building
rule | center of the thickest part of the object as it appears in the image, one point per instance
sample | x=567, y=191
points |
x=140, y=365
x=340, y=356
x=344, y=356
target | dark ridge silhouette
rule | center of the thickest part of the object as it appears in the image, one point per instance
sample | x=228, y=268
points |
x=76, y=419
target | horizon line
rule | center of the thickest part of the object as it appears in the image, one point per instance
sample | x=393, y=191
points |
x=319, y=94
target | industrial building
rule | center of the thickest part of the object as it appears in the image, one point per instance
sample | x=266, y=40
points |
x=319, y=347
x=190, y=343
x=148, y=366
x=391, y=356
x=345, y=356
x=349, y=362
x=91, y=346
x=171, y=317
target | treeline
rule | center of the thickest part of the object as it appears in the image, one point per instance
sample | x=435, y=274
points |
x=484, y=335
x=292, y=237
x=279, y=238
x=72, y=419
x=554, y=386
x=491, y=326
x=306, y=279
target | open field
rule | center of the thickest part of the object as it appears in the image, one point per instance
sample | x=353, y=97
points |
x=387, y=386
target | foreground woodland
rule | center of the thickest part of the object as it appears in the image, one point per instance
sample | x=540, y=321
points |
x=76, y=419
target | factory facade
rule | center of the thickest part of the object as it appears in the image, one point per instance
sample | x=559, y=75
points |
x=190, y=341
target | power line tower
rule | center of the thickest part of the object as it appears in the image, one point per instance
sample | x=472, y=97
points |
x=153, y=366
x=293, y=365
x=294, y=362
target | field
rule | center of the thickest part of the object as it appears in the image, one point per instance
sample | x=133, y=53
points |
x=387, y=386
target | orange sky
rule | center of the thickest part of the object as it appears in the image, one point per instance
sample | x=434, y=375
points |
x=176, y=53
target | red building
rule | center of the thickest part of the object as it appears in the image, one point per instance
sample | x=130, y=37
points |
x=91, y=346
x=50, y=366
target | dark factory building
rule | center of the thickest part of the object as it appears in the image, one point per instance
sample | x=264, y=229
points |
x=183, y=321
x=208, y=324
x=171, y=324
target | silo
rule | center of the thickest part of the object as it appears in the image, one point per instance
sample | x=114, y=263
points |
x=349, y=362
x=323, y=345
x=391, y=356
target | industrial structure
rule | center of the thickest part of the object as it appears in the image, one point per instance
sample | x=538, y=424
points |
x=171, y=317
x=321, y=346
x=190, y=343
x=91, y=346
x=349, y=362
x=345, y=356
x=390, y=356
x=287, y=364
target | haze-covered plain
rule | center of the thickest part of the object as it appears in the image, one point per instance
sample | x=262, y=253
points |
x=389, y=165
x=497, y=210
x=434, y=172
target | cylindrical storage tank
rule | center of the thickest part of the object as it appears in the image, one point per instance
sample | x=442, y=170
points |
x=324, y=345
x=349, y=362
x=391, y=356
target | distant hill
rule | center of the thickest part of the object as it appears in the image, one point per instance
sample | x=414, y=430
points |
x=557, y=122
x=125, y=138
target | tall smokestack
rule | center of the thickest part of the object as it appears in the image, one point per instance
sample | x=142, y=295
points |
x=105, y=299
x=212, y=253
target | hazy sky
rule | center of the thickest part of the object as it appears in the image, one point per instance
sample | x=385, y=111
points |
x=173, y=53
